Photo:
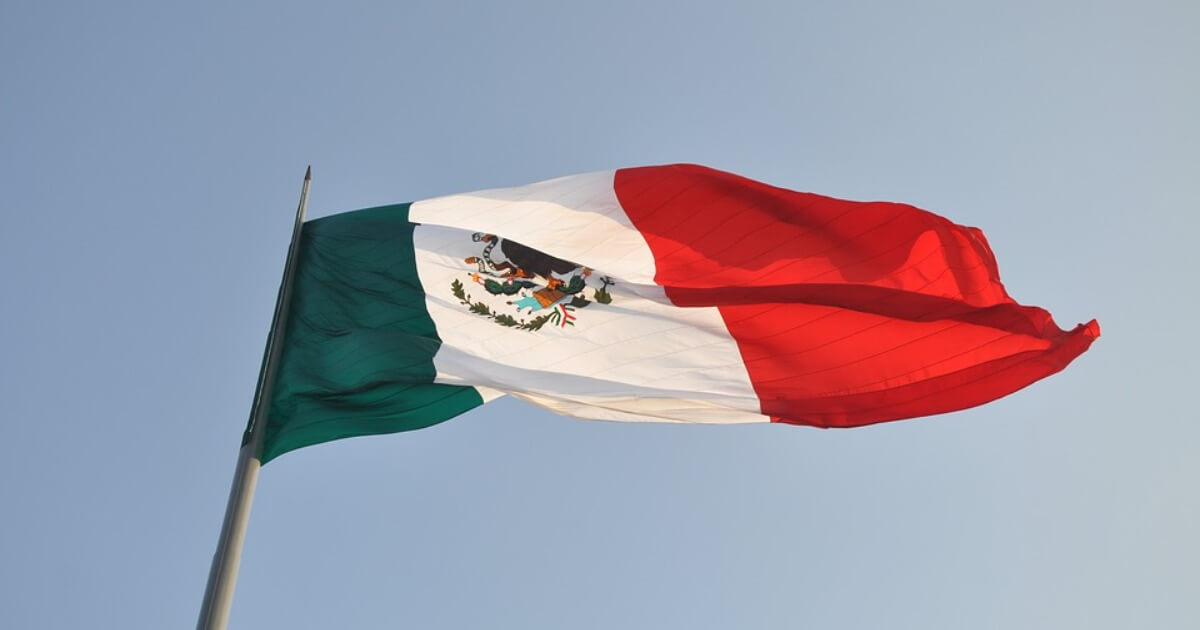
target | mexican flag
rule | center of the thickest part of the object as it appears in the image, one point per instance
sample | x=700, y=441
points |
x=658, y=294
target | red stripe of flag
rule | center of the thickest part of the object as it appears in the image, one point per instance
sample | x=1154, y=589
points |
x=845, y=313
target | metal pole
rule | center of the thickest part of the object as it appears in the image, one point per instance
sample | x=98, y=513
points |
x=222, y=577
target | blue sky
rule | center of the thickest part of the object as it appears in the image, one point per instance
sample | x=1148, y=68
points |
x=150, y=161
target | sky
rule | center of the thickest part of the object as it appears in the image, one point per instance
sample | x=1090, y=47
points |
x=151, y=157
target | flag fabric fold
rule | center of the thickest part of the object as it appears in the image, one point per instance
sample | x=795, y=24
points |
x=671, y=293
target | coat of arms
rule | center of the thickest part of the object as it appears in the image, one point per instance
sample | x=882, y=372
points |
x=539, y=288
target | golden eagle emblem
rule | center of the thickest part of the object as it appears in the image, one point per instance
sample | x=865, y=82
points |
x=542, y=289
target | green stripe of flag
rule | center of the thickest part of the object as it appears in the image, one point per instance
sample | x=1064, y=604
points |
x=358, y=353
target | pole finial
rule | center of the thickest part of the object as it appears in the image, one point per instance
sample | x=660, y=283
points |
x=308, y=173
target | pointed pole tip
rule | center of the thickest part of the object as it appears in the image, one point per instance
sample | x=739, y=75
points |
x=308, y=172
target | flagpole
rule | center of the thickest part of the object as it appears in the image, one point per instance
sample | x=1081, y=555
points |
x=222, y=577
